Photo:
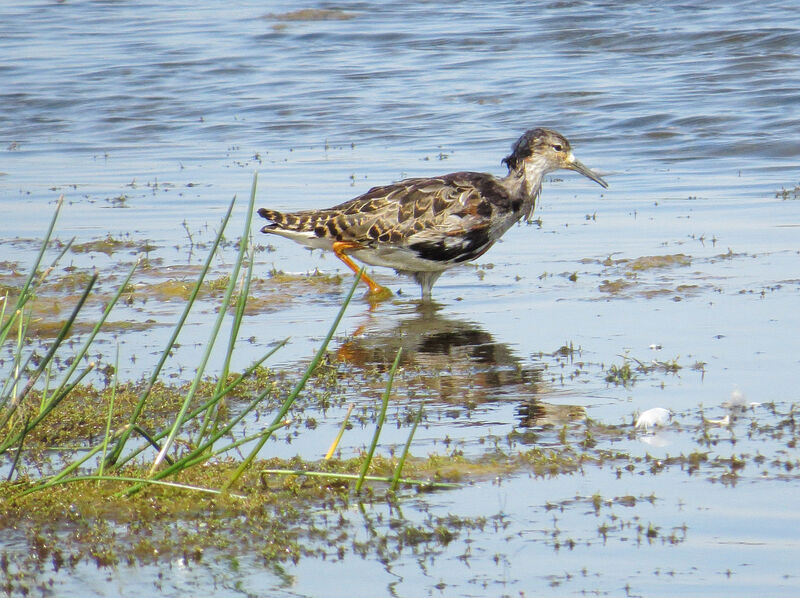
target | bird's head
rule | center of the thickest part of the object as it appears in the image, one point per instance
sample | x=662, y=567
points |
x=542, y=151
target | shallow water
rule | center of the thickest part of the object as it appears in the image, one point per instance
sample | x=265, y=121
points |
x=147, y=116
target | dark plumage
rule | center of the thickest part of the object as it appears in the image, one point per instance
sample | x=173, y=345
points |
x=421, y=227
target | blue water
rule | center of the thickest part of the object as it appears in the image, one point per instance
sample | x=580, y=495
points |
x=691, y=113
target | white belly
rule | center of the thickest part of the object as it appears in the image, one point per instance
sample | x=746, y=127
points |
x=398, y=258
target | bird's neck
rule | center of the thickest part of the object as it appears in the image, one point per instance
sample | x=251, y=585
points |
x=525, y=182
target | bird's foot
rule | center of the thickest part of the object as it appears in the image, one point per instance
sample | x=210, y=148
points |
x=377, y=294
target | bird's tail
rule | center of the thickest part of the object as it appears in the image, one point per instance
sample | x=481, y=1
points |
x=279, y=221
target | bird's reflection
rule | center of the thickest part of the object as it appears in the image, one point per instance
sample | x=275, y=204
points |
x=454, y=361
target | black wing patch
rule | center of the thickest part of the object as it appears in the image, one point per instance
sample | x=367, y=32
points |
x=455, y=249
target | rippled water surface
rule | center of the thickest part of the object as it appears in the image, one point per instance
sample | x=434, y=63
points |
x=150, y=116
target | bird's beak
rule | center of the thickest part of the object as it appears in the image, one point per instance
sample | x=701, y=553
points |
x=572, y=163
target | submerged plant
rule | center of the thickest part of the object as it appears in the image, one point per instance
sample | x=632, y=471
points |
x=620, y=375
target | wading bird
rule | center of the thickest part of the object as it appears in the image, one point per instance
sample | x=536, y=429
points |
x=421, y=227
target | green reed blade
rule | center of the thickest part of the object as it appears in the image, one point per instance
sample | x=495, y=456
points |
x=237, y=443
x=64, y=393
x=211, y=402
x=379, y=424
x=98, y=325
x=110, y=412
x=7, y=324
x=200, y=454
x=29, y=288
x=22, y=435
x=223, y=312
x=92, y=452
x=112, y=458
x=18, y=369
x=398, y=470
x=49, y=407
x=49, y=355
x=9, y=390
x=287, y=404
x=219, y=434
x=241, y=303
x=24, y=292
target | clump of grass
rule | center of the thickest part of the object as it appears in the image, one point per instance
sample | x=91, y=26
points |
x=620, y=375
x=625, y=374
x=784, y=193
x=200, y=428
x=18, y=416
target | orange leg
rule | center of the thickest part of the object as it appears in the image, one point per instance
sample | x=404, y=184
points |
x=339, y=248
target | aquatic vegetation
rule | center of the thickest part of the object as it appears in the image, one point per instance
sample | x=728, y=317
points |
x=156, y=286
x=203, y=416
x=784, y=193
x=72, y=498
x=655, y=261
x=109, y=245
x=314, y=14
x=614, y=286
x=654, y=276
x=621, y=375
x=101, y=482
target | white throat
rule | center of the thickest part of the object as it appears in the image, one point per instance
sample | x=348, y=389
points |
x=535, y=168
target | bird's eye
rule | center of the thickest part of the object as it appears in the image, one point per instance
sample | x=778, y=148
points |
x=558, y=147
